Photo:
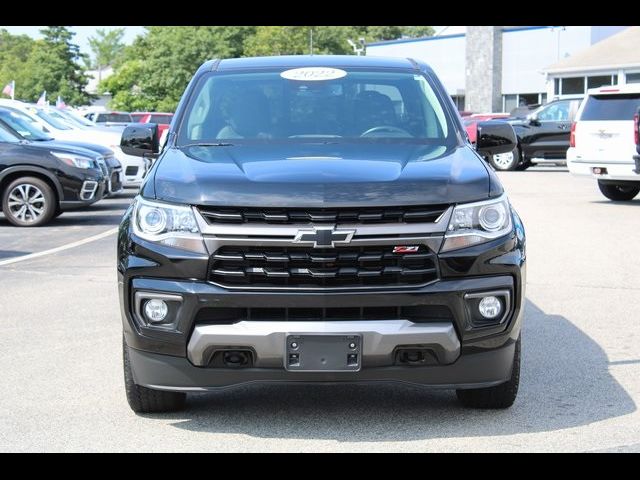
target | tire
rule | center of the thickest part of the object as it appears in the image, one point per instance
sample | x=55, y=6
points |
x=505, y=161
x=147, y=400
x=29, y=202
x=500, y=396
x=619, y=193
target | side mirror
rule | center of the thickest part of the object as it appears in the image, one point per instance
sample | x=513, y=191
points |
x=495, y=137
x=533, y=119
x=140, y=140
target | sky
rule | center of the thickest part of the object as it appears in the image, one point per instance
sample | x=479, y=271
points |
x=82, y=34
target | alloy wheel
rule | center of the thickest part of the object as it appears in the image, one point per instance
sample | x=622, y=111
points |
x=26, y=202
x=503, y=160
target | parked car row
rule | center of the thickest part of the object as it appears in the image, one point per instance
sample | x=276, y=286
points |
x=596, y=136
x=56, y=123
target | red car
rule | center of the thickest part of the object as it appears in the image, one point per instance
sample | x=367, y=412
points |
x=471, y=122
x=162, y=119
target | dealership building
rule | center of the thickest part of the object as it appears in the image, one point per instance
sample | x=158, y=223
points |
x=497, y=68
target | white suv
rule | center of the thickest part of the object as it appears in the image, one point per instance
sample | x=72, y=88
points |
x=602, y=140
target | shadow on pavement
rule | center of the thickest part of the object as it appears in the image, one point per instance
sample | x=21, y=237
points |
x=631, y=203
x=565, y=383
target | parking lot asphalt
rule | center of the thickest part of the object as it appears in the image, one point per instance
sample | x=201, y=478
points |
x=60, y=351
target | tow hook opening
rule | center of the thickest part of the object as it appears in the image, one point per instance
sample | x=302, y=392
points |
x=239, y=358
x=415, y=356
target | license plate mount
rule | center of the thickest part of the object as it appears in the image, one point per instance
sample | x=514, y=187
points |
x=323, y=352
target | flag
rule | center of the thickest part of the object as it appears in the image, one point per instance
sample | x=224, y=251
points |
x=42, y=101
x=10, y=89
x=60, y=103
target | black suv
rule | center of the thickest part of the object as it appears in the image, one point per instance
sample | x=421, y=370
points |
x=320, y=219
x=38, y=181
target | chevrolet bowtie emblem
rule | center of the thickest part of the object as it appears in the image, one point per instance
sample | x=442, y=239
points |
x=323, y=237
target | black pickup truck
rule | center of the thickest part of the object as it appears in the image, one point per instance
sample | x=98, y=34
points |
x=543, y=136
x=320, y=219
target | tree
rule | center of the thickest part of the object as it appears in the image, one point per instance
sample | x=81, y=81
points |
x=14, y=53
x=152, y=73
x=52, y=65
x=144, y=81
x=106, y=46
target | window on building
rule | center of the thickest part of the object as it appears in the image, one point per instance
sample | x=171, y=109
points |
x=633, y=77
x=458, y=100
x=525, y=99
x=556, y=86
x=509, y=102
x=599, y=81
x=572, y=85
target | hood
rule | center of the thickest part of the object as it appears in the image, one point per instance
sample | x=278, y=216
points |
x=63, y=147
x=318, y=175
x=62, y=144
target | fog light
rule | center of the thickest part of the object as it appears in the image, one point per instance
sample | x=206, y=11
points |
x=490, y=307
x=156, y=310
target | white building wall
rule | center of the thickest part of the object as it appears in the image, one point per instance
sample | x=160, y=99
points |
x=446, y=55
x=526, y=52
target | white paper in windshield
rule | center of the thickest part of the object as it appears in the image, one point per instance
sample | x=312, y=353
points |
x=313, y=74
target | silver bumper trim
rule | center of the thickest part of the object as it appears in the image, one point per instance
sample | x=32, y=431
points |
x=267, y=339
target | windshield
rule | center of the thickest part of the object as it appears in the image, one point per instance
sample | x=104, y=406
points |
x=22, y=124
x=51, y=120
x=340, y=105
x=60, y=116
x=76, y=119
x=6, y=136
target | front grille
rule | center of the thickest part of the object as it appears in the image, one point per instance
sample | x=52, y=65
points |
x=338, y=216
x=131, y=171
x=416, y=314
x=306, y=267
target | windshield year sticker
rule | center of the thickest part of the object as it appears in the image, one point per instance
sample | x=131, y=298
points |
x=313, y=74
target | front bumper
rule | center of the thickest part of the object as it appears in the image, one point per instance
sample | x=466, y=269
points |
x=91, y=190
x=472, y=370
x=180, y=355
x=134, y=168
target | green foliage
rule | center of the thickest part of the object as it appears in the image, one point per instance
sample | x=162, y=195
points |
x=157, y=67
x=49, y=64
x=106, y=46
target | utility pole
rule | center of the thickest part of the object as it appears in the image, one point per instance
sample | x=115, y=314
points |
x=311, y=41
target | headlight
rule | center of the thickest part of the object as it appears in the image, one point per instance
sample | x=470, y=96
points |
x=479, y=222
x=168, y=224
x=72, y=160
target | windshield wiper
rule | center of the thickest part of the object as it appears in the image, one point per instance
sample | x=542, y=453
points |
x=207, y=144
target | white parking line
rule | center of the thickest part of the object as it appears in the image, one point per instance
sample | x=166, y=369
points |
x=30, y=256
